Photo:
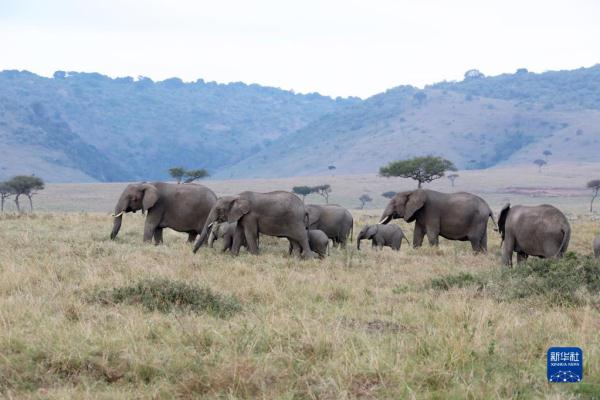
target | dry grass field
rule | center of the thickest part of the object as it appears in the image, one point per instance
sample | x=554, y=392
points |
x=85, y=317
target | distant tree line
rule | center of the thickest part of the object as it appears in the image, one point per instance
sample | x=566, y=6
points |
x=20, y=185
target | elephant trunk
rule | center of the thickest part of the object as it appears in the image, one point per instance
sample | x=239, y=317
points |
x=358, y=239
x=210, y=220
x=387, y=215
x=118, y=217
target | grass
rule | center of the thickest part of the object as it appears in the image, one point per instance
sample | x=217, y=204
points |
x=368, y=324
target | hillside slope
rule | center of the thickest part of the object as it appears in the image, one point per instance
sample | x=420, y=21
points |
x=474, y=132
x=86, y=126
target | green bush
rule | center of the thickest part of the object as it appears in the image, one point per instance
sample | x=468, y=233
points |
x=165, y=295
x=460, y=280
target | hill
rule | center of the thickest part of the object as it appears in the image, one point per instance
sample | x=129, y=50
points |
x=86, y=126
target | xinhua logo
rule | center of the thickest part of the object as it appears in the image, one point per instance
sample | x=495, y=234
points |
x=565, y=364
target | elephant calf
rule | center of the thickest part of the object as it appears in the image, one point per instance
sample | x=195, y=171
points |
x=225, y=231
x=541, y=231
x=382, y=235
x=317, y=240
x=597, y=247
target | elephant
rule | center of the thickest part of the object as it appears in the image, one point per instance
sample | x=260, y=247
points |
x=224, y=230
x=334, y=220
x=541, y=231
x=382, y=235
x=183, y=208
x=279, y=214
x=597, y=247
x=454, y=216
x=318, y=242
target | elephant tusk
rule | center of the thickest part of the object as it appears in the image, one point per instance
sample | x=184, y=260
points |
x=384, y=221
x=210, y=225
x=117, y=215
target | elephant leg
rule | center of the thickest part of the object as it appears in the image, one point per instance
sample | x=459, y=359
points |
x=238, y=234
x=397, y=243
x=192, y=237
x=250, y=230
x=418, y=235
x=342, y=241
x=521, y=257
x=507, y=249
x=149, y=227
x=294, y=248
x=373, y=244
x=433, y=236
x=158, y=236
x=300, y=236
x=227, y=243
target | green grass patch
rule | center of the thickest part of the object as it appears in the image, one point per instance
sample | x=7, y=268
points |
x=459, y=280
x=165, y=295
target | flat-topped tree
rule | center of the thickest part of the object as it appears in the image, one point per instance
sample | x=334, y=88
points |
x=452, y=178
x=27, y=186
x=323, y=190
x=540, y=163
x=177, y=173
x=389, y=194
x=5, y=192
x=364, y=199
x=194, y=174
x=595, y=186
x=302, y=191
x=422, y=169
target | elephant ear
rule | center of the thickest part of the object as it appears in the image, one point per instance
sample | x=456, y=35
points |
x=372, y=231
x=150, y=196
x=313, y=215
x=502, y=219
x=416, y=200
x=239, y=208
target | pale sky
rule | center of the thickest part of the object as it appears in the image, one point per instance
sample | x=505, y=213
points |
x=335, y=47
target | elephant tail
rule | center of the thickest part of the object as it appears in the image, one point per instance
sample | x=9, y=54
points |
x=405, y=238
x=566, y=231
x=352, y=230
x=491, y=215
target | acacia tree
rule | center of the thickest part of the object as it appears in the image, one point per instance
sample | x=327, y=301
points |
x=595, y=186
x=389, y=194
x=177, y=173
x=452, y=178
x=540, y=163
x=364, y=199
x=27, y=186
x=323, y=190
x=5, y=192
x=193, y=174
x=422, y=169
x=302, y=191
x=546, y=154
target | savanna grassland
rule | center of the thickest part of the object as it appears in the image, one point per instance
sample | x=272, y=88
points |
x=85, y=317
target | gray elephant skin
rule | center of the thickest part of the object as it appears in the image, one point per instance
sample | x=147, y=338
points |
x=318, y=242
x=334, y=220
x=454, y=216
x=225, y=231
x=597, y=247
x=279, y=214
x=541, y=231
x=183, y=208
x=382, y=235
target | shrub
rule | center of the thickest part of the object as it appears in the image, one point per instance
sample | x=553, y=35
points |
x=165, y=295
x=460, y=280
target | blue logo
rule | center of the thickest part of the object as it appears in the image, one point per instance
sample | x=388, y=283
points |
x=565, y=364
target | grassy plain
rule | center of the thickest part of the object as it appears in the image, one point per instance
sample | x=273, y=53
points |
x=362, y=324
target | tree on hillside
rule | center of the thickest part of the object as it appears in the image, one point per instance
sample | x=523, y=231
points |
x=323, y=190
x=302, y=191
x=452, y=178
x=5, y=192
x=364, y=199
x=26, y=186
x=421, y=169
x=331, y=167
x=540, y=163
x=546, y=154
x=595, y=186
x=389, y=194
x=177, y=173
x=193, y=174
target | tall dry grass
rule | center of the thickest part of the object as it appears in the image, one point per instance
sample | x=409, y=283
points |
x=362, y=324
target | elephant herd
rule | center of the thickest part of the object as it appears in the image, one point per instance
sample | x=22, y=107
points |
x=239, y=220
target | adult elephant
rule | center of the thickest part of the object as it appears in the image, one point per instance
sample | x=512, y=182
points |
x=279, y=214
x=183, y=208
x=541, y=231
x=334, y=220
x=454, y=216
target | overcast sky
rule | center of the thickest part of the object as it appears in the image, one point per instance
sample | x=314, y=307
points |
x=335, y=47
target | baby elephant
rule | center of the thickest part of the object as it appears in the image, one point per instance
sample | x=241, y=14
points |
x=597, y=247
x=225, y=231
x=382, y=235
x=317, y=240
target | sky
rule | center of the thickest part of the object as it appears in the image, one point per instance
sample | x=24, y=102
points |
x=334, y=47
